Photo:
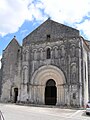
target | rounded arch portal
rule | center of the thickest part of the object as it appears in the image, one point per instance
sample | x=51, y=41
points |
x=40, y=80
x=47, y=72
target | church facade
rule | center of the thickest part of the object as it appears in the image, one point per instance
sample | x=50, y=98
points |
x=50, y=68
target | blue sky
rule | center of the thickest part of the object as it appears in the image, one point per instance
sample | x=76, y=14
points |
x=20, y=17
x=24, y=30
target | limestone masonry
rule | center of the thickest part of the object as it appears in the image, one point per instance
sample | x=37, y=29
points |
x=52, y=67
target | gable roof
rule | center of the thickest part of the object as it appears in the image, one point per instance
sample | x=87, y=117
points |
x=13, y=41
x=51, y=28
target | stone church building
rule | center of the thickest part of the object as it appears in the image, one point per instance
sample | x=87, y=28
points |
x=50, y=68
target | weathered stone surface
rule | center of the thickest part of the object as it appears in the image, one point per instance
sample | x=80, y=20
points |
x=48, y=31
x=0, y=81
x=51, y=52
x=10, y=70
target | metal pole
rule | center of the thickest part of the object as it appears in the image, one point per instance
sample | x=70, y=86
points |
x=1, y=116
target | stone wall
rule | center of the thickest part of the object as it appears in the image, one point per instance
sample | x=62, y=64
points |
x=50, y=29
x=88, y=43
x=52, y=51
x=65, y=55
x=0, y=82
x=10, y=69
x=89, y=74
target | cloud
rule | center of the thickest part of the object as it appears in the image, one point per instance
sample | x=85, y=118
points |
x=75, y=13
x=12, y=15
x=24, y=32
x=85, y=28
x=71, y=12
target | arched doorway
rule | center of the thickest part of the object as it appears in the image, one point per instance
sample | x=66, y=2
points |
x=15, y=95
x=50, y=92
x=41, y=78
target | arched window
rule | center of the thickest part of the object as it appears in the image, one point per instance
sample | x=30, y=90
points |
x=48, y=37
x=48, y=53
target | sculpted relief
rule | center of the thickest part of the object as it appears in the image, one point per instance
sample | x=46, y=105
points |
x=55, y=50
x=25, y=74
x=73, y=72
x=72, y=50
x=63, y=52
x=62, y=55
x=25, y=55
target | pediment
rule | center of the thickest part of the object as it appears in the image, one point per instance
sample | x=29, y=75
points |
x=50, y=30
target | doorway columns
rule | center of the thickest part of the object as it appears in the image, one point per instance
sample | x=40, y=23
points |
x=60, y=95
x=40, y=78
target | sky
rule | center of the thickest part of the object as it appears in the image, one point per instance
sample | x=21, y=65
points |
x=20, y=17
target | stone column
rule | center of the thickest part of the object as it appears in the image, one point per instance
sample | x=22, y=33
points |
x=24, y=95
x=38, y=94
x=31, y=94
x=60, y=95
x=42, y=95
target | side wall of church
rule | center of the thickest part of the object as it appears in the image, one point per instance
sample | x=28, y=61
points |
x=89, y=74
x=10, y=71
x=85, y=73
x=89, y=69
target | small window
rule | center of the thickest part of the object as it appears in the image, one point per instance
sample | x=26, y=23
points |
x=48, y=36
x=74, y=95
x=18, y=50
x=48, y=53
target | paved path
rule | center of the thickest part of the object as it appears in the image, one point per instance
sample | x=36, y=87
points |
x=16, y=112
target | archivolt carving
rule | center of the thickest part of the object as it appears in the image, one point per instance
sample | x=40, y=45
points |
x=40, y=49
x=34, y=54
x=34, y=50
x=55, y=48
x=73, y=50
x=25, y=55
x=45, y=73
x=47, y=47
x=41, y=53
x=25, y=67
